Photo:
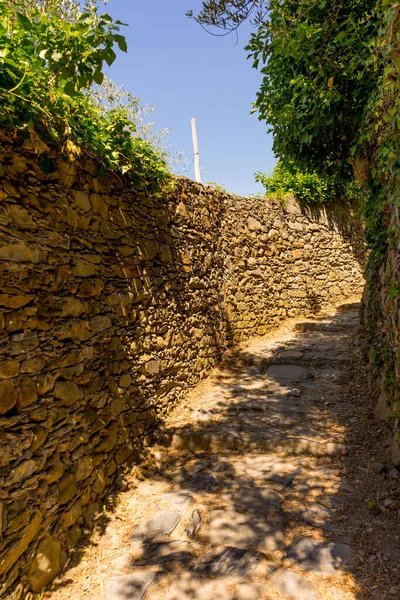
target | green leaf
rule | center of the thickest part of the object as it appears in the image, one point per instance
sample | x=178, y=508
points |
x=24, y=22
x=69, y=88
x=121, y=41
x=109, y=56
x=98, y=77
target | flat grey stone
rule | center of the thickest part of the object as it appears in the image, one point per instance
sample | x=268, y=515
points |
x=293, y=586
x=253, y=500
x=160, y=553
x=130, y=587
x=320, y=557
x=177, y=498
x=286, y=373
x=232, y=528
x=189, y=586
x=159, y=526
x=265, y=467
x=194, y=524
x=203, y=482
x=316, y=515
x=228, y=561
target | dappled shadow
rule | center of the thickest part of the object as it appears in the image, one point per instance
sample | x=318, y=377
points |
x=255, y=463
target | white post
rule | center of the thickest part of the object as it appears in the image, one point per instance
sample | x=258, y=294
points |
x=196, y=152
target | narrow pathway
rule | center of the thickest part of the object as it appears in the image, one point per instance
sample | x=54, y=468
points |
x=244, y=497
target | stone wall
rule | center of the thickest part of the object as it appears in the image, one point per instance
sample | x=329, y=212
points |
x=113, y=305
x=381, y=320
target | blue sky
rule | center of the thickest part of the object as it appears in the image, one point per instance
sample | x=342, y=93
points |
x=173, y=63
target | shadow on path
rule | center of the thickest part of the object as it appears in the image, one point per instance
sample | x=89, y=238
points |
x=262, y=485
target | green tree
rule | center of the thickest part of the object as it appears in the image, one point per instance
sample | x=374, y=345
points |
x=319, y=71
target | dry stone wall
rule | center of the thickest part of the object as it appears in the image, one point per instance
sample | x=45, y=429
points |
x=113, y=305
x=381, y=319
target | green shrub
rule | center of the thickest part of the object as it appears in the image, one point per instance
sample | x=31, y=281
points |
x=47, y=65
x=306, y=186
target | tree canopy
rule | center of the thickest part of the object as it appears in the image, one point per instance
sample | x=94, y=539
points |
x=319, y=71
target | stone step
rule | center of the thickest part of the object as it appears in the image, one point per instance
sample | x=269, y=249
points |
x=229, y=438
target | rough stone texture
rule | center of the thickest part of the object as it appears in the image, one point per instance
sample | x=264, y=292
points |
x=293, y=586
x=113, y=305
x=321, y=557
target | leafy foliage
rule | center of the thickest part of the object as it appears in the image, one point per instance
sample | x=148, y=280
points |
x=49, y=59
x=319, y=70
x=306, y=186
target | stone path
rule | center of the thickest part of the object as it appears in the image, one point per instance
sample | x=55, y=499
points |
x=242, y=495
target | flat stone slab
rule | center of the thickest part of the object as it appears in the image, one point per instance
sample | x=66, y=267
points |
x=158, y=527
x=265, y=467
x=203, y=482
x=180, y=499
x=316, y=515
x=231, y=528
x=253, y=500
x=228, y=561
x=287, y=373
x=189, y=586
x=160, y=553
x=320, y=557
x=130, y=587
x=293, y=586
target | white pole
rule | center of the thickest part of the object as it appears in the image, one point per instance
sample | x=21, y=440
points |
x=196, y=152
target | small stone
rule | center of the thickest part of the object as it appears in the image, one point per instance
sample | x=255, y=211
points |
x=293, y=586
x=46, y=564
x=253, y=224
x=287, y=373
x=377, y=467
x=394, y=452
x=9, y=368
x=254, y=500
x=316, y=515
x=334, y=449
x=8, y=396
x=165, y=552
x=203, y=482
x=22, y=472
x=228, y=562
x=188, y=586
x=382, y=408
x=229, y=527
x=194, y=524
x=27, y=393
x=153, y=367
x=130, y=587
x=177, y=498
x=22, y=219
x=22, y=252
x=15, y=301
x=10, y=557
x=320, y=557
x=81, y=200
x=346, y=377
x=159, y=526
x=67, y=391
x=83, y=268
